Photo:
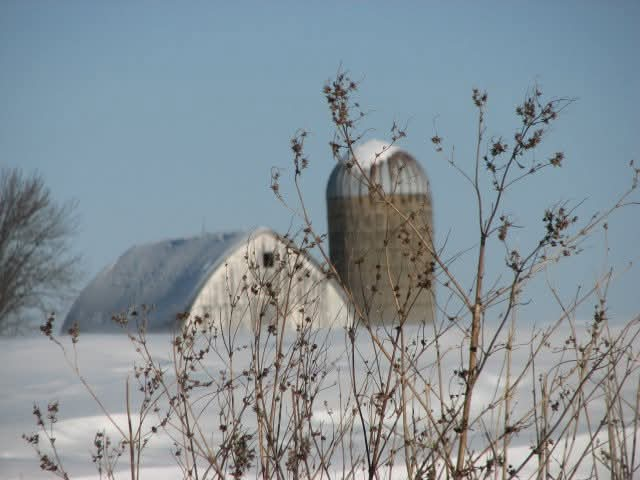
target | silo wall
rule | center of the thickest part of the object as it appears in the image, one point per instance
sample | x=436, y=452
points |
x=381, y=259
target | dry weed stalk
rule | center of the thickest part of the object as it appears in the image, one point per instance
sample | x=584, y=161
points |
x=467, y=397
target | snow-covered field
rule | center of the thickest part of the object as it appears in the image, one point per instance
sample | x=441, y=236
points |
x=34, y=370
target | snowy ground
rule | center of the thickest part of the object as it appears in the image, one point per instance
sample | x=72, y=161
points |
x=34, y=370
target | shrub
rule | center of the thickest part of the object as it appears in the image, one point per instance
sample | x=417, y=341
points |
x=472, y=395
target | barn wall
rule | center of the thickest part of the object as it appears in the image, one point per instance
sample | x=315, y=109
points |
x=264, y=281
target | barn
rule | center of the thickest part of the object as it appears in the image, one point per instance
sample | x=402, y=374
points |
x=252, y=278
x=245, y=278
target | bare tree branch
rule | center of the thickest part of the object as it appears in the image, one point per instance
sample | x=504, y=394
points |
x=36, y=265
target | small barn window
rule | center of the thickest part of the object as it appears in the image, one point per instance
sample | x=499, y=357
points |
x=268, y=259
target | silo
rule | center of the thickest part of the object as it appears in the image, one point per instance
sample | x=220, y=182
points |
x=377, y=252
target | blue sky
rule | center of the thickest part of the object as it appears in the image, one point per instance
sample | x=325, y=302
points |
x=164, y=117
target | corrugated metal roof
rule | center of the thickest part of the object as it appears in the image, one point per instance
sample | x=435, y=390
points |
x=395, y=170
x=166, y=274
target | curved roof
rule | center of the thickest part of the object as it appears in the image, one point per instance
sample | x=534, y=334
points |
x=395, y=170
x=166, y=274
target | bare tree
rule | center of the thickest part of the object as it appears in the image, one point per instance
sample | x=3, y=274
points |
x=36, y=265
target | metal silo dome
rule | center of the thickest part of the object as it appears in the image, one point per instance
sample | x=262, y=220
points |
x=395, y=170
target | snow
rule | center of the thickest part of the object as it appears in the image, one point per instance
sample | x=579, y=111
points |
x=365, y=153
x=35, y=371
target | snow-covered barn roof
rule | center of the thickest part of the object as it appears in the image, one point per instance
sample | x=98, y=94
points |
x=172, y=276
x=166, y=274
